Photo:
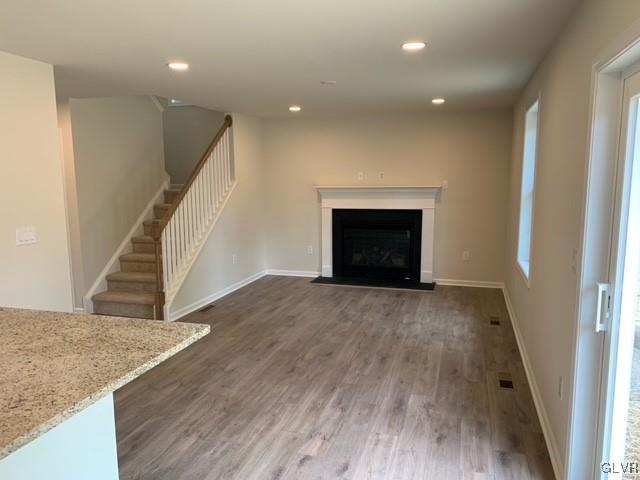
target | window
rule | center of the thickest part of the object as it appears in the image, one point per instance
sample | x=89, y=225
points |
x=527, y=187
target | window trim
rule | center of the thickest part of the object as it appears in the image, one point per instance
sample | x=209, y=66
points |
x=526, y=275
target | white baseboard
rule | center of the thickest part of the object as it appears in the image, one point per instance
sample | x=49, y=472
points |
x=78, y=309
x=467, y=283
x=293, y=273
x=181, y=312
x=545, y=423
x=100, y=283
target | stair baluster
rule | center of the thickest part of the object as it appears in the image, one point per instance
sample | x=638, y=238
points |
x=184, y=228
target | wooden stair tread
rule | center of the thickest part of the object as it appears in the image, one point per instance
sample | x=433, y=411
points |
x=139, y=257
x=125, y=297
x=139, y=277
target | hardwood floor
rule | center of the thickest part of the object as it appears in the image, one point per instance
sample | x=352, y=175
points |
x=303, y=381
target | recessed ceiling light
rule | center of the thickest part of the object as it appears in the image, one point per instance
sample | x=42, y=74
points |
x=295, y=108
x=413, y=46
x=176, y=102
x=178, y=66
x=438, y=101
x=328, y=82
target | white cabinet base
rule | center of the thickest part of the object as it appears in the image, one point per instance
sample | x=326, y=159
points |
x=82, y=447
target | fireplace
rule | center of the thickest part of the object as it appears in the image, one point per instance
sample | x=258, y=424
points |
x=397, y=199
x=377, y=244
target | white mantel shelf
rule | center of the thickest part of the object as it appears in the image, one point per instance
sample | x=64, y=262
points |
x=396, y=197
x=379, y=188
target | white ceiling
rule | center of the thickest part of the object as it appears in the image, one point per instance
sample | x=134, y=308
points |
x=260, y=56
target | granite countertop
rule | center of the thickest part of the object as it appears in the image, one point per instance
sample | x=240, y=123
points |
x=53, y=365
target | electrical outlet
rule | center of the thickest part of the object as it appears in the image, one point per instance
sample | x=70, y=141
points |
x=360, y=176
x=26, y=236
x=445, y=184
x=380, y=175
x=234, y=258
x=310, y=249
x=560, y=387
x=465, y=255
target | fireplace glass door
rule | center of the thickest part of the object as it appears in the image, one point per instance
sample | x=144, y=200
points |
x=377, y=244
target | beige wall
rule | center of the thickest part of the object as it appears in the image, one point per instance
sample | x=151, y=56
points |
x=470, y=150
x=546, y=311
x=32, y=276
x=240, y=228
x=119, y=165
x=71, y=196
x=188, y=131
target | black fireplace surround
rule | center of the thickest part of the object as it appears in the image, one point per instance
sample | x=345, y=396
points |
x=377, y=244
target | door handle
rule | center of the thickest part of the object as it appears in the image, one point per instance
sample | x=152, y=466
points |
x=601, y=326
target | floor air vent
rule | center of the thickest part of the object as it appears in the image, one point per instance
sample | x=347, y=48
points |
x=506, y=384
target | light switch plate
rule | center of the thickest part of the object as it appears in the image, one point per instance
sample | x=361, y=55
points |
x=26, y=236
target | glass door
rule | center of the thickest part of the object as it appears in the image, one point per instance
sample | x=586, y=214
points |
x=619, y=307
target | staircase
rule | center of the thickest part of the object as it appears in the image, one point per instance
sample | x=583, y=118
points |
x=148, y=280
x=131, y=292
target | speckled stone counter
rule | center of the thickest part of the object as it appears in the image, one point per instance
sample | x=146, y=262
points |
x=53, y=365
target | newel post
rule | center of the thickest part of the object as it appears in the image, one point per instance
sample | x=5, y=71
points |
x=159, y=295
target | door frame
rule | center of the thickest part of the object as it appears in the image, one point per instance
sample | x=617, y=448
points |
x=617, y=262
x=607, y=90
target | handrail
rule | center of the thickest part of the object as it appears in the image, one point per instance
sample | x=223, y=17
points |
x=158, y=230
x=228, y=121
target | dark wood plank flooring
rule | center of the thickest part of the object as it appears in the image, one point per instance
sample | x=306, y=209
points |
x=302, y=381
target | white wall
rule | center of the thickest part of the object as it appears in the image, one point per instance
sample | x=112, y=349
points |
x=119, y=166
x=545, y=313
x=470, y=150
x=188, y=131
x=34, y=276
x=239, y=230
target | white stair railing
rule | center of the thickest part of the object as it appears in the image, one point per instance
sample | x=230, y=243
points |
x=183, y=231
